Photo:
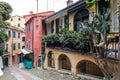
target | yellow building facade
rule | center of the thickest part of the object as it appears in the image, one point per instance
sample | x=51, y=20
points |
x=15, y=43
x=75, y=62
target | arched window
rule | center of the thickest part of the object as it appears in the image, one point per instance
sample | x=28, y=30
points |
x=51, y=62
x=80, y=17
x=64, y=62
x=88, y=67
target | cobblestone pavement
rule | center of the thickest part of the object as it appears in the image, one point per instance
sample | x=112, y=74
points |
x=15, y=73
x=22, y=75
x=7, y=75
x=53, y=75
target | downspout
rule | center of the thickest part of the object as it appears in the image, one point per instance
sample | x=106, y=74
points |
x=33, y=40
x=33, y=36
x=11, y=61
x=32, y=28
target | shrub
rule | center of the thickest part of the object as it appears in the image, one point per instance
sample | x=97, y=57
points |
x=68, y=39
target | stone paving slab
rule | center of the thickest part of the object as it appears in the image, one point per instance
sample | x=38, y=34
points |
x=7, y=75
x=31, y=75
x=22, y=75
x=54, y=75
x=17, y=74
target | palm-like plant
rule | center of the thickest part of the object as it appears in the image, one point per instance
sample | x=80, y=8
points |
x=96, y=31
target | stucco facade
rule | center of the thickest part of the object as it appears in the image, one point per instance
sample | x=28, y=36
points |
x=75, y=58
x=74, y=62
x=34, y=30
x=70, y=16
x=17, y=21
x=14, y=45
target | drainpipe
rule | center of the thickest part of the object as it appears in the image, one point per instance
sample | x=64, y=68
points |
x=33, y=40
x=119, y=35
x=11, y=59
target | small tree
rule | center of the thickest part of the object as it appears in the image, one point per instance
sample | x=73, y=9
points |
x=117, y=75
x=96, y=31
x=5, y=11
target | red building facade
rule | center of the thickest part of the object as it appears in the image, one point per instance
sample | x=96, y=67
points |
x=34, y=30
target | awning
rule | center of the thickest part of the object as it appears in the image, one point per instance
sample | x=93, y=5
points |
x=26, y=51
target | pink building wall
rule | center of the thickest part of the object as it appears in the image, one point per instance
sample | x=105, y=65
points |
x=37, y=30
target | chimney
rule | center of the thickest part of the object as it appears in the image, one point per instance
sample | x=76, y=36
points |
x=31, y=12
x=69, y=2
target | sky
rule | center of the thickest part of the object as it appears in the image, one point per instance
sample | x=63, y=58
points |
x=23, y=7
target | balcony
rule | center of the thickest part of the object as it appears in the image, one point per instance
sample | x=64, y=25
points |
x=112, y=48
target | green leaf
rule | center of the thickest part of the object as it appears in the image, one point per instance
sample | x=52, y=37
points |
x=97, y=31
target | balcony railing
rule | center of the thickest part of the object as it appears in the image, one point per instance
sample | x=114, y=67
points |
x=112, y=48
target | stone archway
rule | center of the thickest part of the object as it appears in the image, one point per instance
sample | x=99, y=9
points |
x=88, y=67
x=79, y=17
x=64, y=62
x=51, y=62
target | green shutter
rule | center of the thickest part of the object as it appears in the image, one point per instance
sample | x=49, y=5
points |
x=14, y=46
x=18, y=45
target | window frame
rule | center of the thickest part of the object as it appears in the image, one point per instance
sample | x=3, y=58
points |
x=6, y=47
x=19, y=19
x=9, y=33
x=18, y=34
x=19, y=46
x=14, y=46
x=23, y=38
x=18, y=25
x=14, y=34
x=28, y=44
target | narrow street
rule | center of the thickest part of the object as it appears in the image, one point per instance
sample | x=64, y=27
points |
x=14, y=73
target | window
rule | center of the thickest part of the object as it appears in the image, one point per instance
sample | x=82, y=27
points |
x=115, y=25
x=57, y=25
x=23, y=38
x=18, y=45
x=51, y=60
x=11, y=19
x=18, y=24
x=103, y=5
x=52, y=26
x=14, y=35
x=23, y=47
x=20, y=58
x=80, y=17
x=28, y=27
x=9, y=33
x=14, y=46
x=64, y=63
x=13, y=58
x=66, y=22
x=115, y=17
x=61, y=22
x=6, y=48
x=28, y=44
x=18, y=34
x=19, y=19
